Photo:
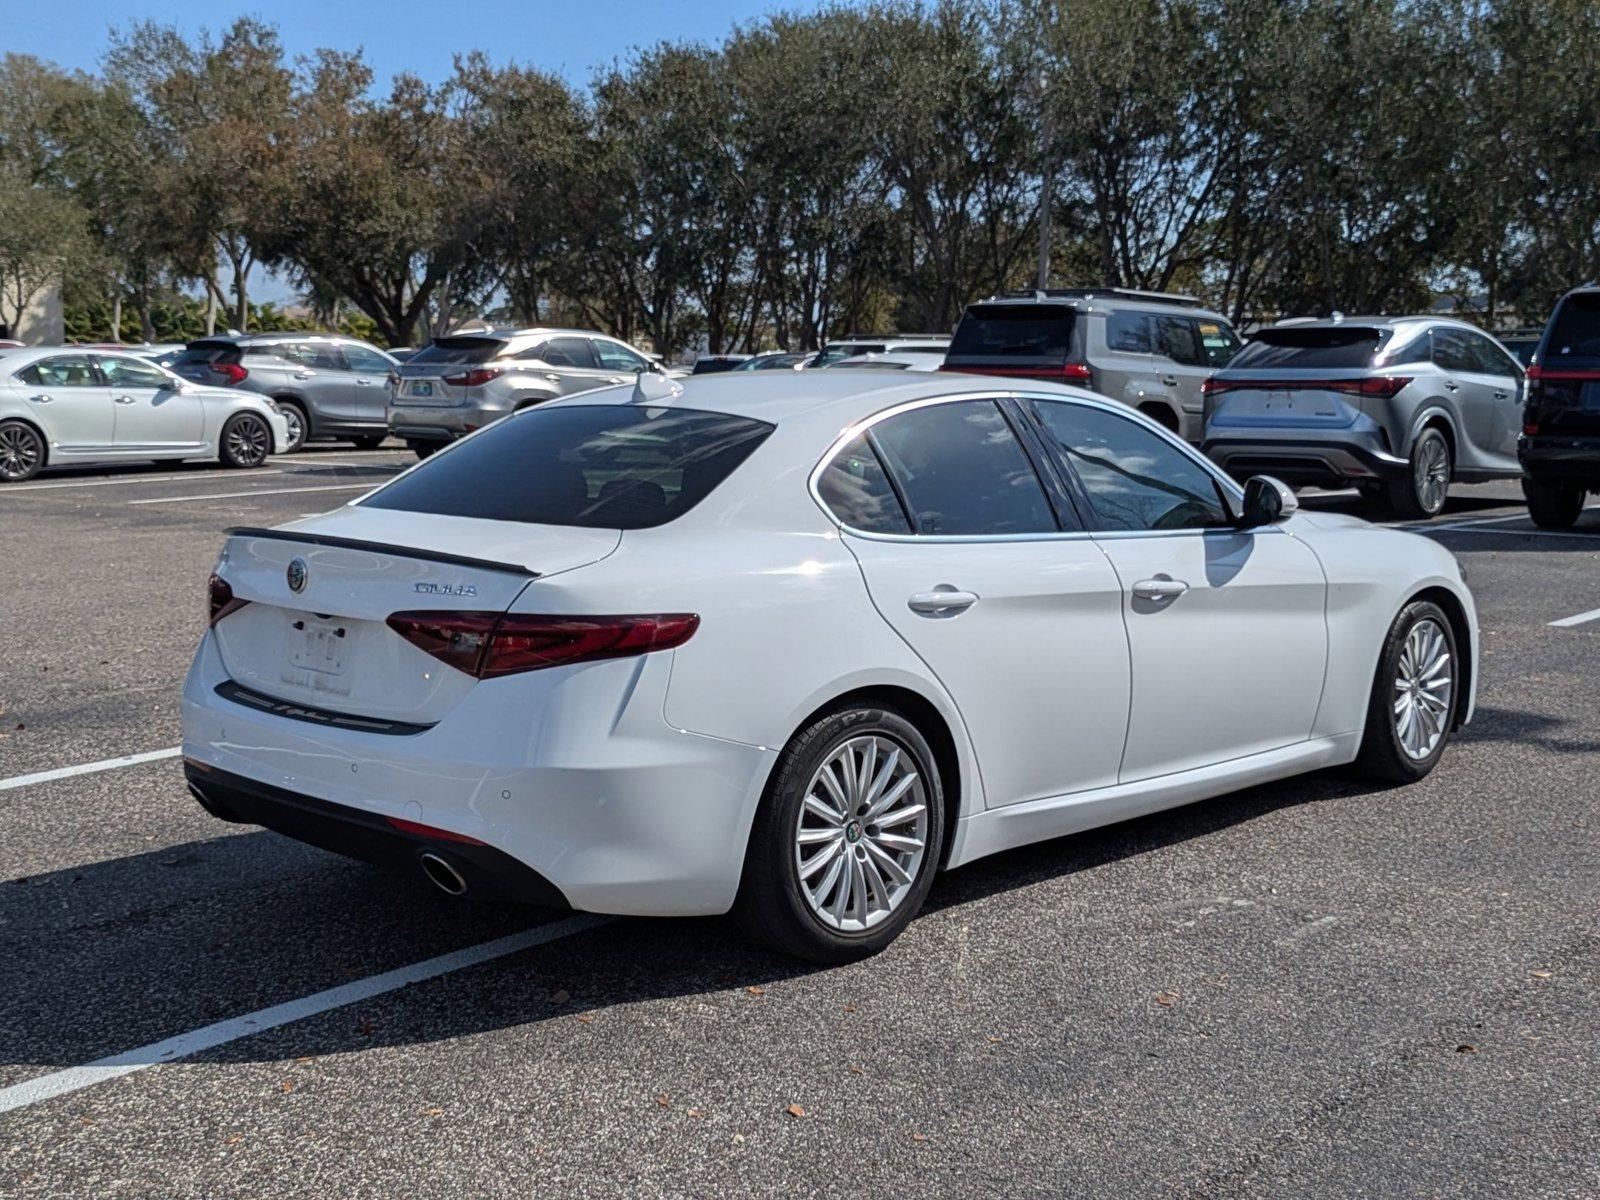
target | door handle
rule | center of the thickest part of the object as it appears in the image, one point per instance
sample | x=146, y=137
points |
x=618, y=380
x=1169, y=380
x=1502, y=395
x=1450, y=386
x=124, y=399
x=553, y=377
x=305, y=374
x=41, y=399
x=366, y=382
x=1159, y=589
x=942, y=602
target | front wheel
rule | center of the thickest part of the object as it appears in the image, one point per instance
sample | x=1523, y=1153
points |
x=246, y=441
x=1413, y=702
x=847, y=839
x=22, y=452
x=1552, y=505
x=1420, y=493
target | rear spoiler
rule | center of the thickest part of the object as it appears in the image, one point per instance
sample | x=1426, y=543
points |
x=322, y=539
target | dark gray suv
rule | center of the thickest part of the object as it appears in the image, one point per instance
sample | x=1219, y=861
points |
x=326, y=386
x=1150, y=350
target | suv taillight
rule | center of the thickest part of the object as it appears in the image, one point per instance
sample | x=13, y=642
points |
x=232, y=372
x=1384, y=386
x=221, y=599
x=1073, y=372
x=476, y=377
x=487, y=645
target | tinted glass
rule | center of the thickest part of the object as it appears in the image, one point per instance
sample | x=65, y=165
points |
x=1134, y=479
x=67, y=371
x=1452, y=351
x=366, y=360
x=1129, y=333
x=319, y=356
x=1488, y=358
x=857, y=492
x=201, y=353
x=1521, y=348
x=1178, y=340
x=568, y=352
x=1350, y=349
x=1574, y=333
x=598, y=466
x=125, y=372
x=1217, y=342
x=962, y=471
x=1014, y=330
x=459, y=350
x=618, y=358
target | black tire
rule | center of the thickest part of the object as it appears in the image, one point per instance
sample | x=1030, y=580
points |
x=422, y=449
x=246, y=441
x=1419, y=495
x=23, y=452
x=368, y=443
x=1383, y=756
x=299, y=423
x=1553, y=505
x=771, y=905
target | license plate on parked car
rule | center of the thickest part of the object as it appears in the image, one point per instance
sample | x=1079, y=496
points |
x=316, y=654
x=421, y=387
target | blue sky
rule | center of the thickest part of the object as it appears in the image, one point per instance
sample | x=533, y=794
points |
x=401, y=35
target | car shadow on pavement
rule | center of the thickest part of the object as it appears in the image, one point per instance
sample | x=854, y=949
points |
x=105, y=958
x=1491, y=724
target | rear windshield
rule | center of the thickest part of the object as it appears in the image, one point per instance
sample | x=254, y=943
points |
x=1574, y=334
x=1014, y=331
x=459, y=350
x=607, y=466
x=207, y=352
x=1352, y=348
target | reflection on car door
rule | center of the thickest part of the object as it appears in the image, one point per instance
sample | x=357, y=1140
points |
x=70, y=401
x=1225, y=627
x=368, y=381
x=1018, y=618
x=318, y=372
x=574, y=367
x=149, y=412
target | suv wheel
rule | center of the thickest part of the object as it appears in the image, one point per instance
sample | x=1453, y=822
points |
x=1421, y=492
x=299, y=424
x=1553, y=505
x=847, y=838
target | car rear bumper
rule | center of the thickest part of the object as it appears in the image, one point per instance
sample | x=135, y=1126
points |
x=441, y=422
x=1574, y=460
x=1328, y=459
x=570, y=778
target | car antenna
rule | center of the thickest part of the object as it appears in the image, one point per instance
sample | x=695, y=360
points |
x=653, y=385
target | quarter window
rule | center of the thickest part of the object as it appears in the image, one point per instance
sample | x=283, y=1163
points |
x=1134, y=479
x=857, y=491
x=962, y=471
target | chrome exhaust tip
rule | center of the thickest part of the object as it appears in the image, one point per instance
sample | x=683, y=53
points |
x=443, y=875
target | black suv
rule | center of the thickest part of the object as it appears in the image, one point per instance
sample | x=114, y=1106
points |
x=1560, y=443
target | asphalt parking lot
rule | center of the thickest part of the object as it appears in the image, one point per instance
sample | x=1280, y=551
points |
x=1313, y=988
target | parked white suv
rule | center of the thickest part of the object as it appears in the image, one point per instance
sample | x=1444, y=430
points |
x=465, y=381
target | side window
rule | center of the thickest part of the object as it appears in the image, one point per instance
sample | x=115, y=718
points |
x=1135, y=479
x=1488, y=357
x=1451, y=351
x=64, y=371
x=319, y=356
x=1218, y=343
x=125, y=372
x=962, y=471
x=365, y=359
x=568, y=352
x=1176, y=338
x=615, y=357
x=1129, y=333
x=857, y=492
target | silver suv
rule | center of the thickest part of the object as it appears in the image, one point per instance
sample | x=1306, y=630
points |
x=326, y=386
x=1397, y=406
x=1150, y=350
x=464, y=381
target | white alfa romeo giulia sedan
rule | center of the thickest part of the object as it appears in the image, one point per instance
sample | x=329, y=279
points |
x=787, y=644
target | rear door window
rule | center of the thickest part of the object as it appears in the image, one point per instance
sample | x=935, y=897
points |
x=1130, y=333
x=1014, y=331
x=1452, y=351
x=1178, y=339
x=613, y=466
x=569, y=352
x=962, y=471
x=1345, y=348
x=63, y=371
x=319, y=356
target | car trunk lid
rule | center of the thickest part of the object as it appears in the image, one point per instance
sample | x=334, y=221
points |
x=447, y=373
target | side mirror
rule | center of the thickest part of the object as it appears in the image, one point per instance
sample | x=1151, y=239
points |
x=1266, y=502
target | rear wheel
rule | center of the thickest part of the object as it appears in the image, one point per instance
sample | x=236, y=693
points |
x=1413, y=701
x=1553, y=505
x=847, y=839
x=422, y=449
x=299, y=423
x=1420, y=493
x=22, y=452
x=246, y=441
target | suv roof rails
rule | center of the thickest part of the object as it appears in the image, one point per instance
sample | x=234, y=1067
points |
x=1182, y=299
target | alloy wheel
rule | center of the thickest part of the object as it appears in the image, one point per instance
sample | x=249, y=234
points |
x=1431, y=471
x=1424, y=687
x=20, y=451
x=248, y=440
x=862, y=833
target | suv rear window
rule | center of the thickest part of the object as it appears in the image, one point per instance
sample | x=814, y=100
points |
x=1351, y=348
x=612, y=466
x=459, y=350
x=1574, y=335
x=199, y=353
x=1014, y=331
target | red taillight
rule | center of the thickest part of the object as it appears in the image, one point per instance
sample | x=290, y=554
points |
x=232, y=372
x=476, y=377
x=486, y=645
x=1534, y=371
x=1075, y=372
x=1530, y=429
x=222, y=600
x=1384, y=386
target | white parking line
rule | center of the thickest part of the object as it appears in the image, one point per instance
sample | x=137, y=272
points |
x=1568, y=622
x=24, y=489
x=105, y=764
x=73, y=1079
x=332, y=487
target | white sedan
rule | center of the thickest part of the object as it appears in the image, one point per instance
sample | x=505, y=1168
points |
x=787, y=644
x=62, y=406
